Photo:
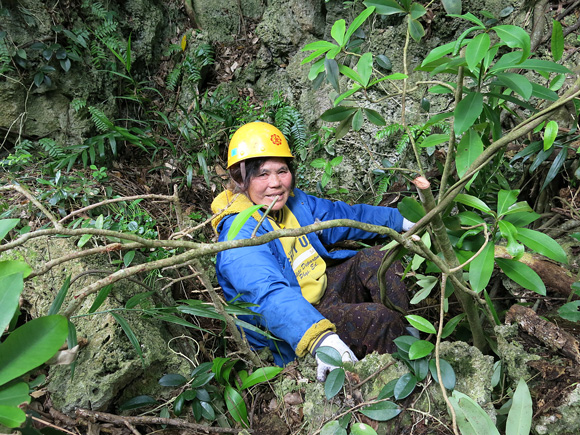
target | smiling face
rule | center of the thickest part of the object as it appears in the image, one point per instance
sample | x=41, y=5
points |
x=272, y=179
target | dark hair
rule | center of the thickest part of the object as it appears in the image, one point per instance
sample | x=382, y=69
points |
x=252, y=168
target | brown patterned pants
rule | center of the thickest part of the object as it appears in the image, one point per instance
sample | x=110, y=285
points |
x=352, y=302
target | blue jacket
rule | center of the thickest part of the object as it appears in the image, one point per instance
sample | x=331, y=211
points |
x=262, y=274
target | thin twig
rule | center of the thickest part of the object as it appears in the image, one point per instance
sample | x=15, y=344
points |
x=264, y=216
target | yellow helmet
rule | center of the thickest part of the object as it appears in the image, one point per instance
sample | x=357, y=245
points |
x=257, y=139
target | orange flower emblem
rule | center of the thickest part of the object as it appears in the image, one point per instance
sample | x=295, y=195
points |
x=276, y=140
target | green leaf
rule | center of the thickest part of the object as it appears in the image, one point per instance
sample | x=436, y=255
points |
x=421, y=324
x=361, y=429
x=557, y=40
x=375, y=117
x=447, y=373
x=420, y=349
x=6, y=225
x=514, y=37
x=333, y=428
x=416, y=29
x=491, y=307
x=336, y=114
x=43, y=337
x=382, y=411
x=550, y=133
x=570, y=311
x=10, y=267
x=417, y=10
x=509, y=231
x=471, y=418
x=543, y=93
x=476, y=50
x=318, y=45
x=433, y=140
x=519, y=421
x=11, y=416
x=101, y=296
x=516, y=82
x=15, y=394
x=128, y=258
x=521, y=208
x=385, y=7
x=472, y=201
x=467, y=111
x=201, y=380
x=59, y=299
x=470, y=148
x=334, y=382
x=481, y=268
x=262, y=374
x=241, y=219
x=130, y=334
x=329, y=355
x=338, y=31
x=357, y=120
x=357, y=22
x=469, y=218
x=405, y=386
x=505, y=199
x=545, y=66
x=236, y=406
x=364, y=67
x=84, y=239
x=138, y=402
x=411, y=209
x=172, y=380
x=556, y=167
x=523, y=274
x=542, y=244
x=11, y=287
x=331, y=68
x=470, y=17
x=452, y=6
x=451, y=325
x=404, y=343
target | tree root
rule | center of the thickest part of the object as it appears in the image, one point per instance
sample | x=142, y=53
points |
x=549, y=334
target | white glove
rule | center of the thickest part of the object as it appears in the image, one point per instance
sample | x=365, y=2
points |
x=407, y=224
x=336, y=343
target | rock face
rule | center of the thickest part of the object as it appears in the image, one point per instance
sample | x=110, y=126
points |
x=108, y=368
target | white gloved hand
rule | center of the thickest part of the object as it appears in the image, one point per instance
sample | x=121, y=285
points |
x=340, y=346
x=407, y=224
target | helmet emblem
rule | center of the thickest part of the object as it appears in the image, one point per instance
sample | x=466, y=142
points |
x=276, y=140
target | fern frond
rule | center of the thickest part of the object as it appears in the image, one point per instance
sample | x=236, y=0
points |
x=173, y=78
x=52, y=148
x=100, y=119
x=97, y=54
x=290, y=122
x=382, y=188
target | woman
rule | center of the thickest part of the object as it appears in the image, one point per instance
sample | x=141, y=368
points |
x=302, y=298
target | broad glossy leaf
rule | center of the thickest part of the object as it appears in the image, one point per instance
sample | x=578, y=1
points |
x=481, y=268
x=420, y=368
x=447, y=373
x=411, y=209
x=452, y=6
x=420, y=349
x=542, y=244
x=416, y=29
x=329, y=355
x=338, y=31
x=405, y=386
x=471, y=418
x=43, y=336
x=11, y=287
x=333, y=428
x=138, y=402
x=519, y=421
x=427, y=284
x=521, y=207
x=236, y=406
x=514, y=37
x=385, y=7
x=384, y=62
x=6, y=225
x=556, y=167
x=357, y=120
x=101, y=297
x=476, y=50
x=364, y=67
x=516, y=82
x=331, y=68
x=375, y=117
x=467, y=111
x=421, y=324
x=334, y=382
x=172, y=380
x=59, y=299
x=202, y=379
x=434, y=139
x=404, y=343
x=543, y=93
x=262, y=374
x=241, y=219
x=505, y=199
x=523, y=274
x=557, y=40
x=9, y=267
x=336, y=114
x=318, y=45
x=417, y=10
x=469, y=218
x=388, y=390
x=491, y=307
x=469, y=148
x=382, y=411
x=570, y=311
x=130, y=334
x=11, y=416
x=358, y=21
x=361, y=429
x=355, y=88
x=438, y=52
x=509, y=231
x=451, y=325
x=207, y=411
x=15, y=394
x=472, y=201
x=470, y=17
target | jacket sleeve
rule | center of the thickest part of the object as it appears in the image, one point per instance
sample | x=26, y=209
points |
x=256, y=275
x=324, y=210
